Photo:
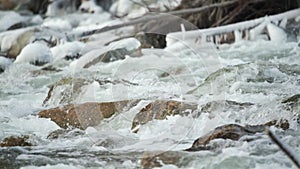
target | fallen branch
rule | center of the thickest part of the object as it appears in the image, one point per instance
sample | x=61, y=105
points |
x=284, y=147
x=160, y=15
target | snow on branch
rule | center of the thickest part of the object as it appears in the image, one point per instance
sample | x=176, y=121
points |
x=249, y=28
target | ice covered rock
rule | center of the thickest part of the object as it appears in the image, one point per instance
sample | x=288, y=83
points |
x=121, y=7
x=276, y=33
x=11, y=20
x=90, y=6
x=159, y=110
x=68, y=50
x=65, y=90
x=62, y=7
x=36, y=53
x=4, y=63
x=83, y=115
x=12, y=42
x=114, y=51
x=57, y=24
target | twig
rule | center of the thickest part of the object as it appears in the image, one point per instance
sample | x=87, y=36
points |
x=285, y=148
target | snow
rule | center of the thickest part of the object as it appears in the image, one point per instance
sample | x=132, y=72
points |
x=35, y=52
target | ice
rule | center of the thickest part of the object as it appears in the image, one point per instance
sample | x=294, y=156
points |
x=4, y=63
x=35, y=52
x=246, y=25
x=276, y=34
x=129, y=44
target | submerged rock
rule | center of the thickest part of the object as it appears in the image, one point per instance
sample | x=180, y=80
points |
x=65, y=90
x=83, y=115
x=159, y=110
x=224, y=105
x=234, y=132
x=68, y=89
x=15, y=141
x=65, y=133
x=158, y=159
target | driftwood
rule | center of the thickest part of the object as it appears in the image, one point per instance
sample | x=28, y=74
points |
x=161, y=15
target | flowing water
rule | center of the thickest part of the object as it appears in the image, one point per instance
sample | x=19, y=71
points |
x=259, y=72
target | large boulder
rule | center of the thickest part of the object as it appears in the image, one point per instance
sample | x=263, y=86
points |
x=84, y=115
x=159, y=110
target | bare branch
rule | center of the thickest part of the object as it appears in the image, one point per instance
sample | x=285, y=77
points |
x=285, y=148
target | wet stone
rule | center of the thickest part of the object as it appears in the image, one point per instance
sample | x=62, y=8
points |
x=234, y=132
x=159, y=110
x=65, y=133
x=13, y=141
x=84, y=115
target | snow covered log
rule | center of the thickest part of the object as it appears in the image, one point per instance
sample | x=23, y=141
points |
x=274, y=27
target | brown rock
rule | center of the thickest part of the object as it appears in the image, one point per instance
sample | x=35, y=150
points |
x=159, y=110
x=83, y=115
x=234, y=132
x=157, y=159
x=15, y=141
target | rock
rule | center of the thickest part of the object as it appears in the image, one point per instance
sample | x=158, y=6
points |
x=65, y=133
x=11, y=20
x=65, y=90
x=109, y=56
x=159, y=110
x=151, y=40
x=224, y=105
x=292, y=104
x=15, y=141
x=114, y=51
x=83, y=115
x=158, y=159
x=12, y=42
x=37, y=53
x=68, y=89
x=234, y=132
